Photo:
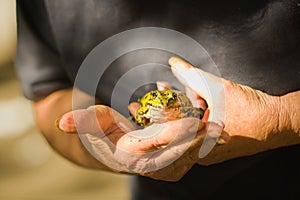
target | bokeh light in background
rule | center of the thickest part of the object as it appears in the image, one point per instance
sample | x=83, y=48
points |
x=29, y=168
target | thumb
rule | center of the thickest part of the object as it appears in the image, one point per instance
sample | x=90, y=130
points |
x=95, y=119
x=194, y=78
x=206, y=85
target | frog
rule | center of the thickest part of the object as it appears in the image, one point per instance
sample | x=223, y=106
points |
x=159, y=106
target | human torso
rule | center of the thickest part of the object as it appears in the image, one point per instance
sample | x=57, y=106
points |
x=255, y=43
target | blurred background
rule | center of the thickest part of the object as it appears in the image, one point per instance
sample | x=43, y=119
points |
x=29, y=168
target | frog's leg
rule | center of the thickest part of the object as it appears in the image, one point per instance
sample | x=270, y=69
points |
x=140, y=118
x=193, y=112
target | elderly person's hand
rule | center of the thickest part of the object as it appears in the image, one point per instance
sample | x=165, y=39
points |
x=161, y=151
x=254, y=120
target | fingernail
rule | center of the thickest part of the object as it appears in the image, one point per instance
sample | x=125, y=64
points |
x=225, y=136
x=221, y=141
x=206, y=147
x=220, y=123
x=172, y=60
x=57, y=124
x=63, y=125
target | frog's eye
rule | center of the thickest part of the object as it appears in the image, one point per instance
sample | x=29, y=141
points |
x=154, y=94
x=174, y=95
x=140, y=112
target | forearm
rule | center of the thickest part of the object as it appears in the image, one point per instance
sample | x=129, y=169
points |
x=47, y=111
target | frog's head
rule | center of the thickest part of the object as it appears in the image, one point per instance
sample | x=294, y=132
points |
x=160, y=98
x=162, y=105
x=169, y=98
x=152, y=98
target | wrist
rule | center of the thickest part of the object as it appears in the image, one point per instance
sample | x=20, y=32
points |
x=252, y=113
x=69, y=146
x=290, y=113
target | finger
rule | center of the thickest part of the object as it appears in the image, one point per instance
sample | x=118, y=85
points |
x=162, y=85
x=204, y=84
x=175, y=131
x=175, y=60
x=181, y=70
x=159, y=136
x=191, y=76
x=206, y=115
x=79, y=121
x=133, y=107
x=182, y=65
x=96, y=119
x=195, y=99
x=199, y=81
x=67, y=123
x=176, y=149
x=214, y=134
x=142, y=155
x=164, y=148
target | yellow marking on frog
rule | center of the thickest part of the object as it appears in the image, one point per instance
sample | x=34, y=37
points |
x=159, y=106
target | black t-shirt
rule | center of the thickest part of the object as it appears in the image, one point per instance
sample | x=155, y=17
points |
x=256, y=43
